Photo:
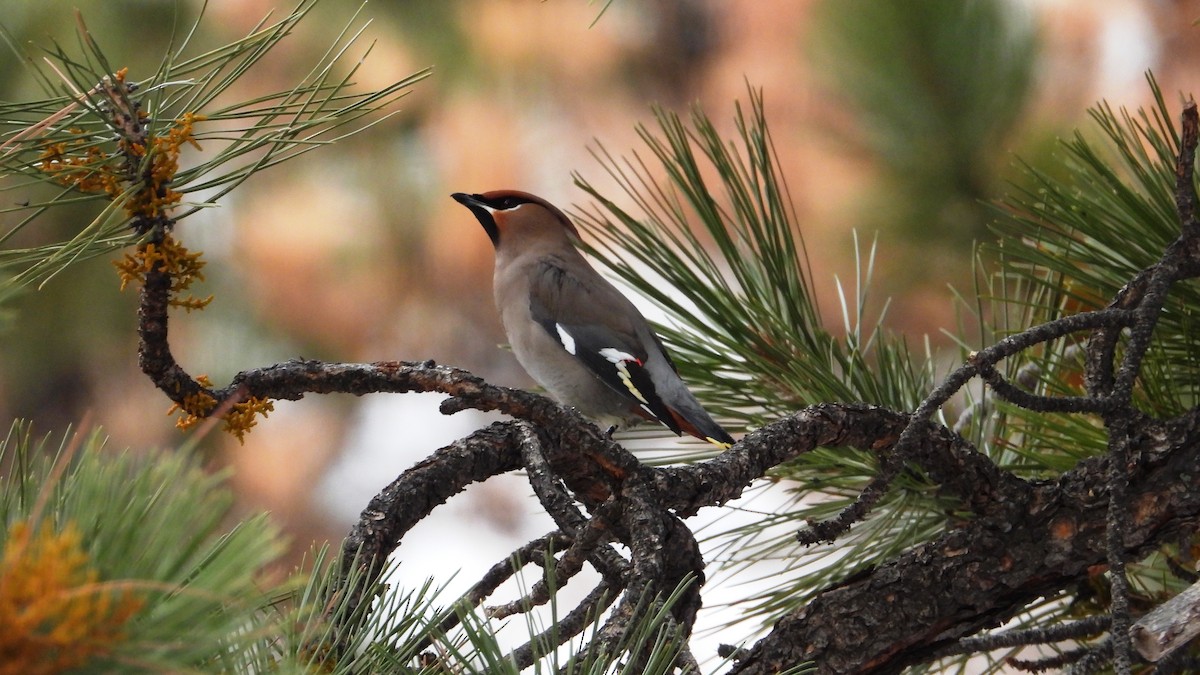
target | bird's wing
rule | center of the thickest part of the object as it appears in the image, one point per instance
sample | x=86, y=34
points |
x=579, y=313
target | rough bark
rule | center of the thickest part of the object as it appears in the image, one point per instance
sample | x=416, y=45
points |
x=979, y=575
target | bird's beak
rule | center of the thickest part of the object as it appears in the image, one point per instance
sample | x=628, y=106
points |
x=483, y=213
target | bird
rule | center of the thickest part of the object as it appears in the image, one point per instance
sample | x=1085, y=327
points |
x=575, y=334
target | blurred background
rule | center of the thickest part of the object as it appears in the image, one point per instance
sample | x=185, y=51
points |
x=894, y=118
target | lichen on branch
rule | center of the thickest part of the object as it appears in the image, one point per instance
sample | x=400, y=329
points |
x=168, y=257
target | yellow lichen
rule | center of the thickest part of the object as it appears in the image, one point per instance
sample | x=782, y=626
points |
x=192, y=302
x=240, y=419
x=169, y=256
x=195, y=407
x=156, y=195
x=54, y=613
x=85, y=166
x=85, y=169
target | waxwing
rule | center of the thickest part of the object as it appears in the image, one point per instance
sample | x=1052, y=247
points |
x=573, y=331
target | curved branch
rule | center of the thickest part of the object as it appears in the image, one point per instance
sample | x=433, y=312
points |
x=403, y=503
x=532, y=552
x=575, y=622
x=408, y=499
x=587, y=537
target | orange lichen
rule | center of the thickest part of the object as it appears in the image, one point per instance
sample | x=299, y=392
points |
x=85, y=169
x=142, y=167
x=54, y=613
x=195, y=407
x=1063, y=529
x=155, y=195
x=240, y=419
x=169, y=256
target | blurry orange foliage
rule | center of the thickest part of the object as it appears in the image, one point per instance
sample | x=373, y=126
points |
x=54, y=614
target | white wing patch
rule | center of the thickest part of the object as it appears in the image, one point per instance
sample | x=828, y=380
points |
x=618, y=358
x=565, y=338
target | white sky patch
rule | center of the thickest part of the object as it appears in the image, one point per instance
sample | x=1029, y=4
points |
x=1128, y=46
x=649, y=308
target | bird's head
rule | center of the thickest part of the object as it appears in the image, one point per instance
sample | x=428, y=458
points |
x=513, y=215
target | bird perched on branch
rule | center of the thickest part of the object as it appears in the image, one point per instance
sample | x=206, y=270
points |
x=573, y=331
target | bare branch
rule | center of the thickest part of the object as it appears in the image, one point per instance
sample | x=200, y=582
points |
x=574, y=623
x=1169, y=626
x=1073, y=630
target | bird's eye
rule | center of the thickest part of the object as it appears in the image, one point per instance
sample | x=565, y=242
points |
x=509, y=203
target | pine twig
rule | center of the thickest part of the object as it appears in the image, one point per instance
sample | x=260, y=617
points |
x=1074, y=630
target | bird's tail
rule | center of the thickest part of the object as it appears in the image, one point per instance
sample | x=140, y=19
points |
x=698, y=423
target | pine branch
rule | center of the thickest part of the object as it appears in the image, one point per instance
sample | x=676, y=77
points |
x=103, y=135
